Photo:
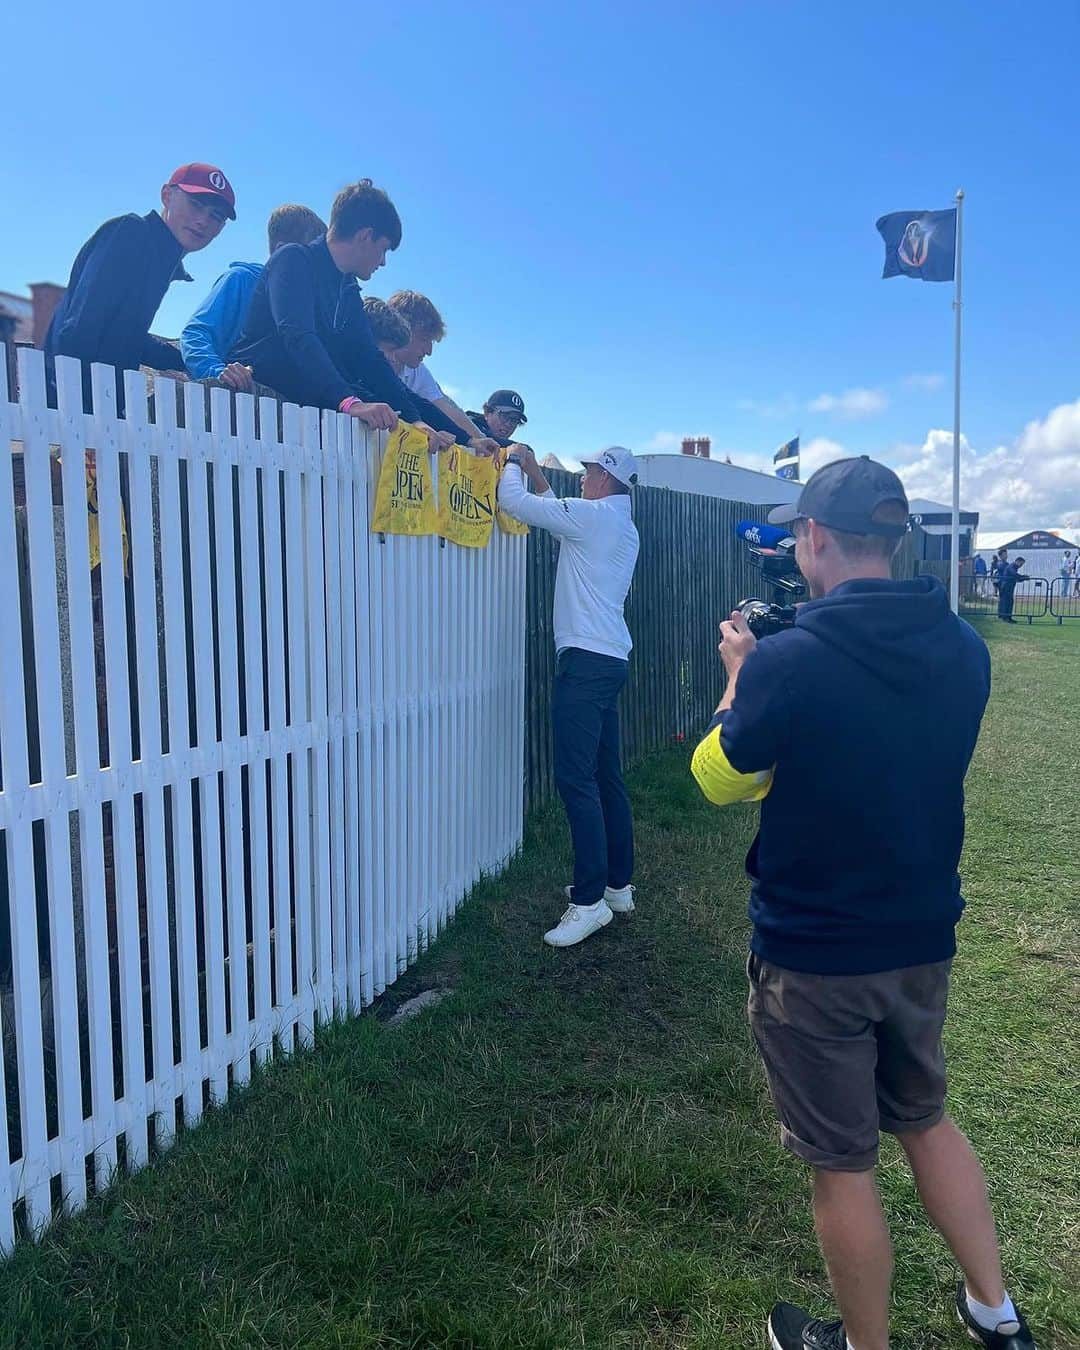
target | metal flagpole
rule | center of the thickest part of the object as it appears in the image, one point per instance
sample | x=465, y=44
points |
x=954, y=547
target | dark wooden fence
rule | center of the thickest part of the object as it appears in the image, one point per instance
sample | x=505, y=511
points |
x=691, y=572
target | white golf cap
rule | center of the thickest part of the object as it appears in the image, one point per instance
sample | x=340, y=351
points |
x=618, y=461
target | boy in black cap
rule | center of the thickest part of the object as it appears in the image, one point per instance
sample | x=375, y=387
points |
x=854, y=729
x=123, y=271
x=503, y=413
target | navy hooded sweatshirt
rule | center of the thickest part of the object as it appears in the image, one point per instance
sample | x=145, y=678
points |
x=307, y=335
x=869, y=708
x=117, y=283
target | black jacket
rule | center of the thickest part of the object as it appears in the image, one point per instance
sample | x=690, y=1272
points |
x=869, y=708
x=1009, y=575
x=307, y=335
x=117, y=283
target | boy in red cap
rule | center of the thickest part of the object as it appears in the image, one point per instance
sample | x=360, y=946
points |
x=123, y=271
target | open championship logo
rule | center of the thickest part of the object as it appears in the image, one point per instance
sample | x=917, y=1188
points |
x=914, y=248
x=217, y=180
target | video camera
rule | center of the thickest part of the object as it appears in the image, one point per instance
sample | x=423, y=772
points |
x=772, y=550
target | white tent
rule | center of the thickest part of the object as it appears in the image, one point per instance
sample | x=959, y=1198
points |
x=1042, y=550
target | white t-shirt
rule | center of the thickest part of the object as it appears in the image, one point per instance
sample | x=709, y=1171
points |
x=419, y=380
x=597, y=553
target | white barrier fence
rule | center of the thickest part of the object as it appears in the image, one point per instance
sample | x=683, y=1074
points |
x=247, y=773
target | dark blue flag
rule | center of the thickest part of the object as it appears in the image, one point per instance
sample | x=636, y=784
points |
x=919, y=244
x=786, y=460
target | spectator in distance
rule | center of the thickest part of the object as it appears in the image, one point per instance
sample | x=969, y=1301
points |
x=1008, y=578
x=307, y=335
x=997, y=567
x=212, y=331
x=122, y=272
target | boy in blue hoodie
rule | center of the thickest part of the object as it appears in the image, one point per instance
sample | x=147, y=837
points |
x=212, y=331
x=855, y=729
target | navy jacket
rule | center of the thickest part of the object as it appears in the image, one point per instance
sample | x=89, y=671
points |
x=307, y=335
x=1009, y=575
x=870, y=709
x=117, y=283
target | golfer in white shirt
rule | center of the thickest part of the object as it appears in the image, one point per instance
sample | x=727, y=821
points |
x=598, y=550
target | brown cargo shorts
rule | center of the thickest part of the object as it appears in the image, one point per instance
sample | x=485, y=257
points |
x=850, y=1055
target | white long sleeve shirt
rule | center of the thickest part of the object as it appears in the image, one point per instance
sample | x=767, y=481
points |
x=599, y=547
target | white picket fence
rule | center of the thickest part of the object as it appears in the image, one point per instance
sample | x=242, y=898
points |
x=312, y=791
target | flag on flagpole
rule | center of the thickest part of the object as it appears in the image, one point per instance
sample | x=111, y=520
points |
x=919, y=244
x=786, y=460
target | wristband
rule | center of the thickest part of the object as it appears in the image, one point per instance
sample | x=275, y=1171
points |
x=347, y=403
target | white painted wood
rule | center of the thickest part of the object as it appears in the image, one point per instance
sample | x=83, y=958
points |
x=143, y=473
x=173, y=473
x=40, y=432
x=25, y=1026
x=379, y=734
x=76, y=438
x=199, y=443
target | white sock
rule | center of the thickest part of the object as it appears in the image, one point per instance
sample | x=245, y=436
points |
x=990, y=1318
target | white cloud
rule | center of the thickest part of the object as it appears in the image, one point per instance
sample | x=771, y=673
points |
x=451, y=391
x=852, y=404
x=785, y=406
x=926, y=383
x=1032, y=484
x=664, y=440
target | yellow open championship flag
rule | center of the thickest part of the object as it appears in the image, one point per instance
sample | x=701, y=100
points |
x=466, y=497
x=404, y=499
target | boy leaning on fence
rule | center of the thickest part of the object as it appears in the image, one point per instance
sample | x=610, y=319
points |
x=855, y=894
x=426, y=327
x=123, y=270
x=307, y=335
x=213, y=330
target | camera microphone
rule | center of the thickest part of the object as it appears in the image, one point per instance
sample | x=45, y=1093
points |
x=763, y=536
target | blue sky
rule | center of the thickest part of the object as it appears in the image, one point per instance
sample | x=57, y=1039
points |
x=650, y=220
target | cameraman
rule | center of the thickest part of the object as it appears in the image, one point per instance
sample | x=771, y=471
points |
x=855, y=728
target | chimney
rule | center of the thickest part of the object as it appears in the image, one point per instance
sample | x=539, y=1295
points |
x=44, y=296
x=704, y=446
x=689, y=445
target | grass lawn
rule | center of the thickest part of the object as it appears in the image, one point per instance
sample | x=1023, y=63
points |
x=576, y=1149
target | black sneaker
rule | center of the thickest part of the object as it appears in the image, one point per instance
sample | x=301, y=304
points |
x=1006, y=1335
x=792, y=1328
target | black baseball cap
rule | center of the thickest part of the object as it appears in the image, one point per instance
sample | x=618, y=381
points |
x=845, y=495
x=506, y=400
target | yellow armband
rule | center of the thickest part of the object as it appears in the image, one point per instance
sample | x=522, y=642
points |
x=721, y=783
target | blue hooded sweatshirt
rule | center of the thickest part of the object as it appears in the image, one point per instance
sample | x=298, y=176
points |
x=212, y=331
x=870, y=709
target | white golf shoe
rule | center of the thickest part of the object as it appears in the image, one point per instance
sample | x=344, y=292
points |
x=578, y=923
x=619, y=901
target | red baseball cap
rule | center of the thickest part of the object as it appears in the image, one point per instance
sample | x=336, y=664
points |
x=204, y=180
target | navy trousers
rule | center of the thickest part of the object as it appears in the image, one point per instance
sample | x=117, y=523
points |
x=588, y=774
x=1005, y=600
